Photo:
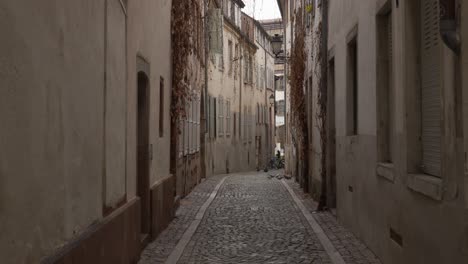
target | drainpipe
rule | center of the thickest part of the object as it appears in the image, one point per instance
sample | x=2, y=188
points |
x=448, y=25
x=267, y=136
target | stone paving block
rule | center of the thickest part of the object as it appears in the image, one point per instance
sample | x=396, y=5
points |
x=253, y=219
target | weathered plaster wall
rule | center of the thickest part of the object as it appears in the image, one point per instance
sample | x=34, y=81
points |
x=231, y=153
x=115, y=100
x=68, y=151
x=51, y=112
x=147, y=37
x=370, y=205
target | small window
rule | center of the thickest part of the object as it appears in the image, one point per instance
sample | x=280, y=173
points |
x=213, y=118
x=228, y=118
x=161, y=107
x=230, y=57
x=352, y=87
x=221, y=117
x=236, y=59
x=235, y=125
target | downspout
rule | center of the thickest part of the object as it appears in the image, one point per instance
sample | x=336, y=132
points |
x=448, y=25
x=267, y=149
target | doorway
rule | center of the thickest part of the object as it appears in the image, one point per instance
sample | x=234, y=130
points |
x=143, y=155
x=331, y=142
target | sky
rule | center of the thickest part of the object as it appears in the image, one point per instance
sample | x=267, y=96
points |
x=264, y=9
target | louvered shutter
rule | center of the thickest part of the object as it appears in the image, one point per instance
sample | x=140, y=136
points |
x=215, y=112
x=430, y=87
x=216, y=30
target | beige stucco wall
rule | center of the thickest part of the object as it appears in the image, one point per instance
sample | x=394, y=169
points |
x=51, y=112
x=464, y=84
x=236, y=152
x=68, y=150
x=115, y=104
x=223, y=152
x=432, y=231
x=148, y=35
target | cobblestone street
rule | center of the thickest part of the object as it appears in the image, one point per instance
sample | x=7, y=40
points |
x=253, y=218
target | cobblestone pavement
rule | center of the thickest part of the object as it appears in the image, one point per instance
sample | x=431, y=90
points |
x=350, y=248
x=161, y=248
x=253, y=219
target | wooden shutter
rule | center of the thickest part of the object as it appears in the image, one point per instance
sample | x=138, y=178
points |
x=216, y=30
x=214, y=116
x=430, y=87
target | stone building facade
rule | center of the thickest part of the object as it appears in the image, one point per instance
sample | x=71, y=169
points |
x=187, y=131
x=400, y=124
x=85, y=110
x=396, y=124
x=236, y=109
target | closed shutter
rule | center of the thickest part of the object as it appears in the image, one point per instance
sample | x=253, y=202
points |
x=215, y=112
x=216, y=30
x=430, y=87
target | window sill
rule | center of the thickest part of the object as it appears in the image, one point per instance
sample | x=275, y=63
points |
x=386, y=171
x=426, y=184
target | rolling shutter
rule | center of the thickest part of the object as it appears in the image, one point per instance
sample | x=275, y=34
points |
x=430, y=87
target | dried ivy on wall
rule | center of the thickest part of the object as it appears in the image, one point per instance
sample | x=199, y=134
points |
x=298, y=100
x=185, y=39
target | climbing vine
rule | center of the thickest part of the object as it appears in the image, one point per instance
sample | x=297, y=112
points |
x=321, y=114
x=298, y=99
x=185, y=26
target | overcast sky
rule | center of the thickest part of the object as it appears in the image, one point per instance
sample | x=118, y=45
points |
x=264, y=9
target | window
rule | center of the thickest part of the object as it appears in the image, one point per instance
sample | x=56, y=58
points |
x=228, y=118
x=250, y=69
x=192, y=126
x=246, y=69
x=233, y=12
x=209, y=121
x=250, y=124
x=235, y=125
x=352, y=87
x=187, y=129
x=245, y=124
x=181, y=138
x=220, y=116
x=385, y=89
x=258, y=114
x=221, y=63
x=213, y=116
x=230, y=57
x=236, y=59
x=161, y=107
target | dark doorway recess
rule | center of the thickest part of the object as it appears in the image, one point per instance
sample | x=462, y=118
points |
x=143, y=155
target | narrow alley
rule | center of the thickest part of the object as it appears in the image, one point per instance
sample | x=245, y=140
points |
x=254, y=218
x=234, y=131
